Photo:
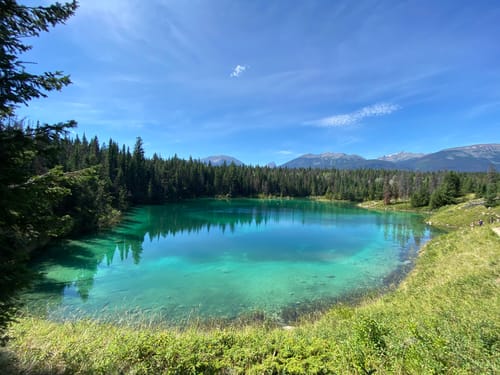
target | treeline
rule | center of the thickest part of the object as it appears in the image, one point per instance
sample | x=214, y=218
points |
x=53, y=185
x=132, y=178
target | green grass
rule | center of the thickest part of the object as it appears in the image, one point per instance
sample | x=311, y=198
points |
x=464, y=214
x=393, y=206
x=444, y=318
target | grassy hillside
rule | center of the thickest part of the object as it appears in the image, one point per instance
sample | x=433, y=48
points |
x=465, y=214
x=444, y=318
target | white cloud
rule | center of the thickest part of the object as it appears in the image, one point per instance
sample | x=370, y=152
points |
x=347, y=119
x=238, y=70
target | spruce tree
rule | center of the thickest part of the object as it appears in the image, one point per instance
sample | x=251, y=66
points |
x=19, y=147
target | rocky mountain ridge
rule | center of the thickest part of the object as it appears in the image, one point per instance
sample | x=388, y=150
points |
x=473, y=158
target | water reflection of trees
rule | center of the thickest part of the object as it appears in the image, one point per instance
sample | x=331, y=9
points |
x=81, y=259
x=405, y=229
x=80, y=264
x=205, y=215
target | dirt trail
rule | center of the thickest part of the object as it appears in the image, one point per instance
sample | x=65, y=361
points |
x=496, y=230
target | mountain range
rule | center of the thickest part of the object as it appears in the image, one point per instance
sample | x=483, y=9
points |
x=474, y=158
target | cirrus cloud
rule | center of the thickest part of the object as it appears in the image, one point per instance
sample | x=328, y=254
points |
x=352, y=118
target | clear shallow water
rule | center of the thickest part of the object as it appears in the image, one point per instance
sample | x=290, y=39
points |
x=220, y=259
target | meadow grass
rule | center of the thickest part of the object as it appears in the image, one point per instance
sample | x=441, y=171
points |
x=464, y=214
x=443, y=318
x=400, y=205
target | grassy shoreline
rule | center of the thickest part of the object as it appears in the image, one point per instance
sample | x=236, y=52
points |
x=443, y=318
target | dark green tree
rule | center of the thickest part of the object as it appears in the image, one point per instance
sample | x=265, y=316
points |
x=451, y=185
x=137, y=172
x=447, y=192
x=491, y=187
x=18, y=22
x=21, y=191
x=420, y=198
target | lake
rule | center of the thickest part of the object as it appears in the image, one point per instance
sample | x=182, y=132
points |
x=223, y=259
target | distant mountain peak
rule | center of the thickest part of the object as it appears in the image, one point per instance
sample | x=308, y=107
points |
x=331, y=155
x=479, y=147
x=218, y=160
x=333, y=160
x=479, y=150
x=473, y=158
x=400, y=156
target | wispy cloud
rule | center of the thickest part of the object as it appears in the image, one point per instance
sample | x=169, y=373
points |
x=483, y=109
x=352, y=118
x=119, y=18
x=238, y=71
x=284, y=152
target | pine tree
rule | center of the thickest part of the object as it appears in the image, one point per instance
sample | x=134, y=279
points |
x=491, y=187
x=18, y=22
x=19, y=147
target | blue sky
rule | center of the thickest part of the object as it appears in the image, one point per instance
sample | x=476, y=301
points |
x=267, y=81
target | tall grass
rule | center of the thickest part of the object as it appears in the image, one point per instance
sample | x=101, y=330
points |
x=443, y=318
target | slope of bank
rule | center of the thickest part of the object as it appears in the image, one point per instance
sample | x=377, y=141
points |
x=442, y=319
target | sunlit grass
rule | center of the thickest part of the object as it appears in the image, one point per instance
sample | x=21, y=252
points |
x=398, y=205
x=442, y=319
x=466, y=214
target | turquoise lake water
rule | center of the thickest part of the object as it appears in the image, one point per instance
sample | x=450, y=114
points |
x=220, y=259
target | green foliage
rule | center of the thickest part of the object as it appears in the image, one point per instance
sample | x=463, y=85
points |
x=420, y=198
x=447, y=191
x=18, y=22
x=438, y=199
x=492, y=188
x=28, y=202
x=29, y=189
x=451, y=184
x=89, y=203
x=491, y=195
